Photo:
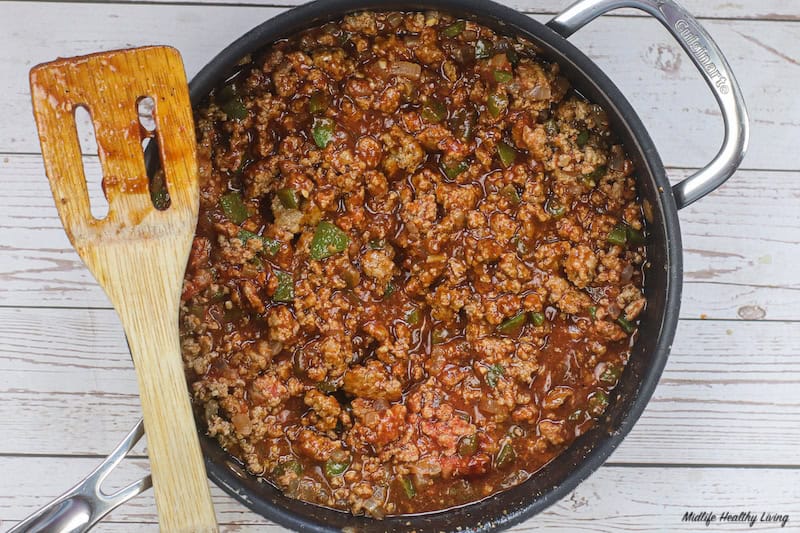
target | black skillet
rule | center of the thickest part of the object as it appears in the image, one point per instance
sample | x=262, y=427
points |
x=663, y=278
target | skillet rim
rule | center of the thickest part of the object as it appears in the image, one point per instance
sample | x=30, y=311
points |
x=494, y=512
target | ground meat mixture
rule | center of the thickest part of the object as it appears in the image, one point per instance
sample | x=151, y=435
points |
x=418, y=264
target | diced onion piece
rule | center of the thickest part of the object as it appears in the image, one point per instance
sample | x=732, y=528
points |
x=241, y=421
x=374, y=505
x=626, y=274
x=617, y=160
x=491, y=405
x=380, y=404
x=394, y=19
x=426, y=466
x=540, y=92
x=406, y=69
x=411, y=40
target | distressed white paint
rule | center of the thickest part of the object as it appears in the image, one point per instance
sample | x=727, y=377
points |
x=636, y=53
x=727, y=385
x=613, y=499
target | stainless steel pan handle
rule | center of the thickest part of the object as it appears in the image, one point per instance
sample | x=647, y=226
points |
x=82, y=506
x=708, y=59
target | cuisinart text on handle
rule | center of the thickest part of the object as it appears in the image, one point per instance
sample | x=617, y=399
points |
x=701, y=53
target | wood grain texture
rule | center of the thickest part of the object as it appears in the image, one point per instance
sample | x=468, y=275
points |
x=613, y=499
x=636, y=53
x=137, y=253
x=726, y=388
x=735, y=266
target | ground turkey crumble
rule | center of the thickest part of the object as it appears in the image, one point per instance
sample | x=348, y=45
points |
x=417, y=268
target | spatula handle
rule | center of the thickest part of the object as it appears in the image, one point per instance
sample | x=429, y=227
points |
x=179, y=479
x=137, y=253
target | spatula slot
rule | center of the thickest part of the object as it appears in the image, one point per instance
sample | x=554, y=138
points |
x=146, y=107
x=159, y=194
x=98, y=203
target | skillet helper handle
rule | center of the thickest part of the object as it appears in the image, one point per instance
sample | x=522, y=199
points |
x=712, y=65
x=85, y=504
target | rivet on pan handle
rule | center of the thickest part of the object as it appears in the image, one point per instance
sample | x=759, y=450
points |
x=708, y=59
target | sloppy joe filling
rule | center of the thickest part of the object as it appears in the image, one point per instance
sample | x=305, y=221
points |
x=418, y=264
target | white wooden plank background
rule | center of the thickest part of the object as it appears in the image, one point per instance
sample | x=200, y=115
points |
x=722, y=429
x=643, y=60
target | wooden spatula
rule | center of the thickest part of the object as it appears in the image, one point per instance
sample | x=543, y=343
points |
x=137, y=253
